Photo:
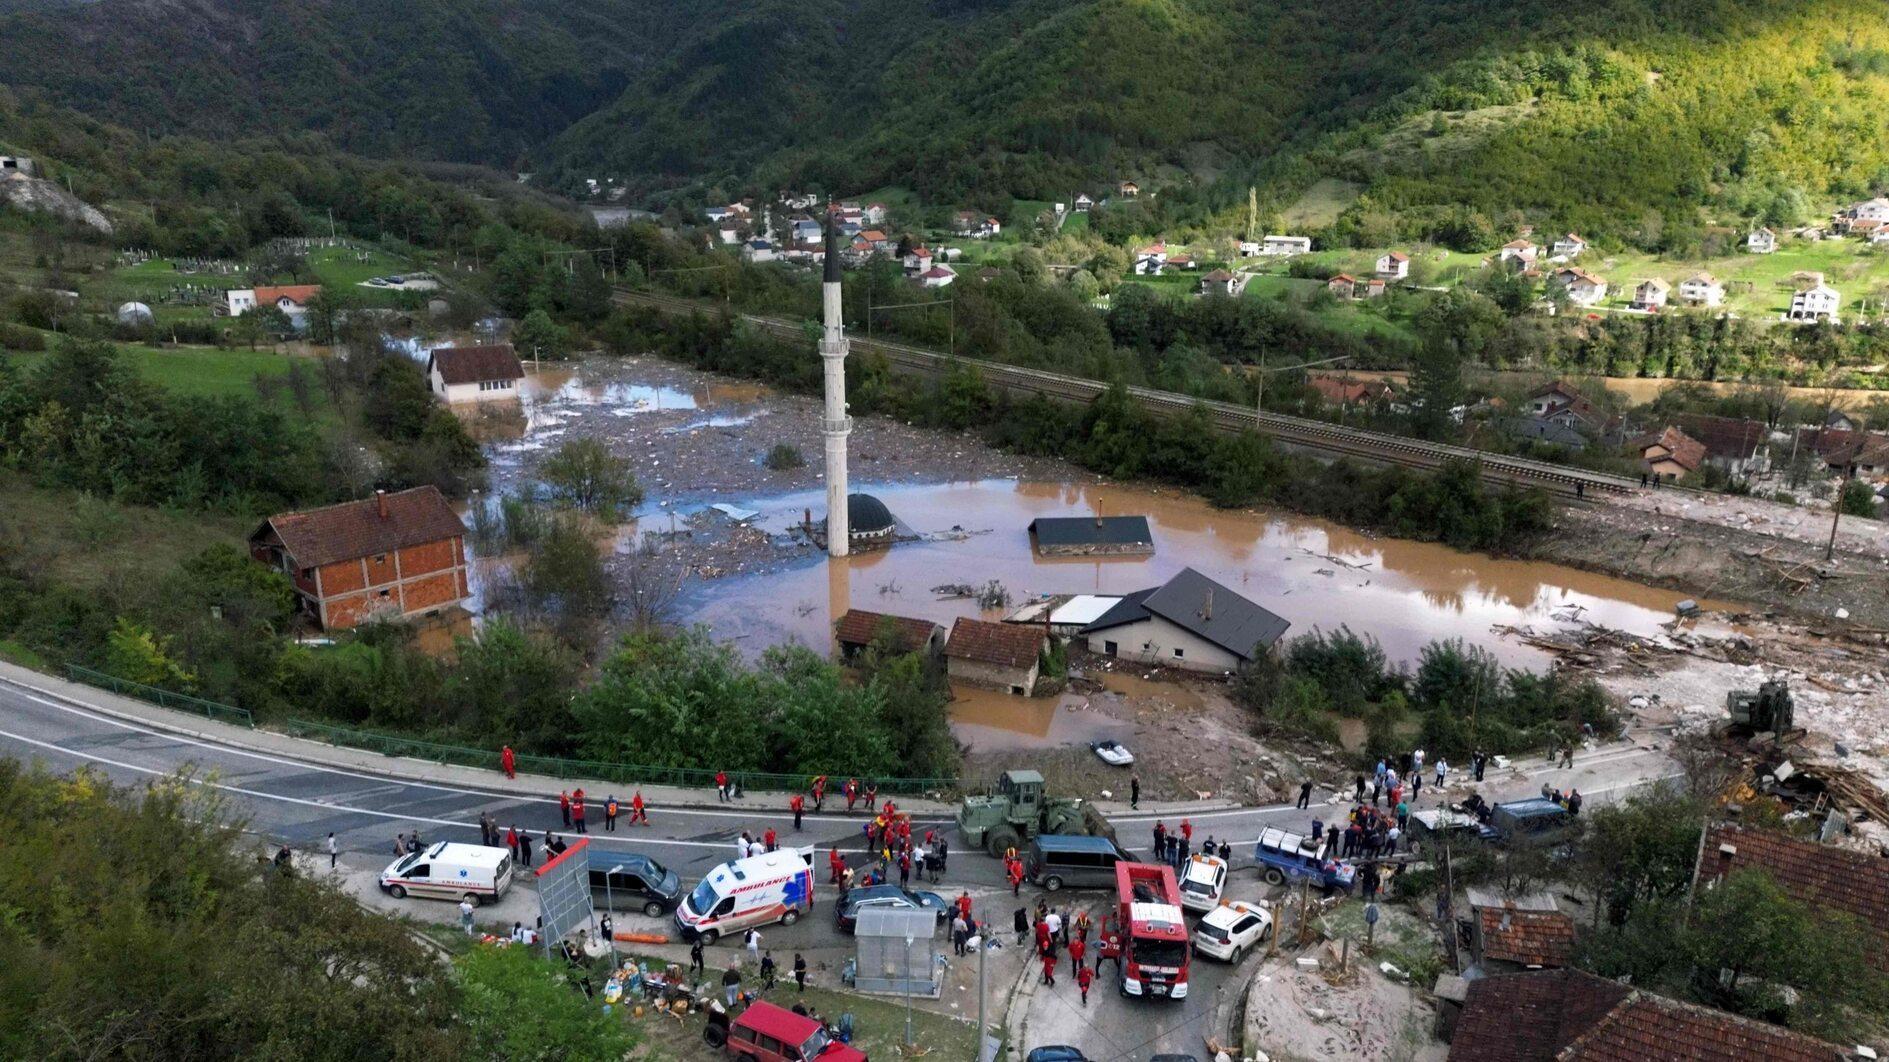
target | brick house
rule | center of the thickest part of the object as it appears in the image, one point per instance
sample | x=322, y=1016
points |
x=999, y=656
x=387, y=557
x=1820, y=876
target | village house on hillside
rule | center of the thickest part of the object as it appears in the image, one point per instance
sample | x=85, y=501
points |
x=1392, y=265
x=1221, y=282
x=1670, y=454
x=474, y=374
x=1333, y=391
x=1285, y=246
x=1763, y=241
x=1583, y=288
x=1518, y=253
x=1128, y=189
x=1651, y=294
x=387, y=557
x=1740, y=447
x=1701, y=289
x=1188, y=622
x=291, y=299
x=1820, y=876
x=1343, y=286
x=1568, y=246
x=999, y=656
x=1818, y=302
x=859, y=628
x=975, y=225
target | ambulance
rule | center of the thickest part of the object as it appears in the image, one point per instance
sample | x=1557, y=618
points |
x=757, y=891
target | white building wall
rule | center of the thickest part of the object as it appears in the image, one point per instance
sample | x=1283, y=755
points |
x=1154, y=640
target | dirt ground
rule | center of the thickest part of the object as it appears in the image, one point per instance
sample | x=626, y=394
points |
x=1298, y=1014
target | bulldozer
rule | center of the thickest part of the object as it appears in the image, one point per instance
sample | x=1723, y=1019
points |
x=1767, y=710
x=1019, y=810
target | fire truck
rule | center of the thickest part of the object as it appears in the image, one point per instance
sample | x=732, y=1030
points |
x=1146, y=936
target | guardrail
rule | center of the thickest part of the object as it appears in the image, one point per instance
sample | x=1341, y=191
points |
x=626, y=774
x=182, y=702
x=1293, y=431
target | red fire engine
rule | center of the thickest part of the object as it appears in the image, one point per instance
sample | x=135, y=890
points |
x=1146, y=936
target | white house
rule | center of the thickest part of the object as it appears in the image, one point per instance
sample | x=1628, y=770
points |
x=1763, y=241
x=1880, y=236
x=291, y=299
x=1128, y=189
x=1518, y=251
x=917, y=260
x=1083, y=203
x=1189, y=622
x=1876, y=209
x=937, y=277
x=1701, y=289
x=1651, y=294
x=474, y=374
x=1568, y=246
x=1583, y=288
x=975, y=225
x=1392, y=265
x=1222, y=282
x=731, y=233
x=1149, y=265
x=1286, y=246
x=803, y=230
x=873, y=214
x=759, y=251
x=1249, y=248
x=1816, y=303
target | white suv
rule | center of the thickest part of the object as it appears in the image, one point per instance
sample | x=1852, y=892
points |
x=1230, y=930
x=1203, y=880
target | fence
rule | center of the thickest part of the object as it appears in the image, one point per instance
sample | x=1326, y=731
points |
x=627, y=774
x=182, y=702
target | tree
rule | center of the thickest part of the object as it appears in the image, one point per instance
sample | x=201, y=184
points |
x=584, y=473
x=509, y=685
x=516, y=1004
x=1436, y=385
x=1857, y=498
x=133, y=652
x=537, y=336
x=566, y=575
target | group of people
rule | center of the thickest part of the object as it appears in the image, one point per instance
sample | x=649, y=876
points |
x=574, y=811
x=519, y=841
x=1370, y=831
x=1173, y=847
x=1571, y=799
x=1060, y=930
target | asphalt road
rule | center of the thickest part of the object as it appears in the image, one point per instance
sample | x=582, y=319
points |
x=299, y=803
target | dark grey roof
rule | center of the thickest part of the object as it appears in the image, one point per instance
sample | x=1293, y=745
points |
x=1204, y=608
x=865, y=513
x=1551, y=431
x=1091, y=530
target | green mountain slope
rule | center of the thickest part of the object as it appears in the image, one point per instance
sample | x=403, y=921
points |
x=466, y=80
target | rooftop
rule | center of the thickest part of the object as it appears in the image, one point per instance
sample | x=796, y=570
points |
x=860, y=627
x=1091, y=531
x=1532, y=938
x=1203, y=608
x=1004, y=644
x=1825, y=877
x=464, y=365
x=364, y=528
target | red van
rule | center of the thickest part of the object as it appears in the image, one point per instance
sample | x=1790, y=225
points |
x=767, y=1033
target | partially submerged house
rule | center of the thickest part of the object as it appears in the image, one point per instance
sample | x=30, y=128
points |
x=858, y=629
x=1188, y=622
x=474, y=374
x=998, y=656
x=1063, y=615
x=390, y=556
x=1092, y=536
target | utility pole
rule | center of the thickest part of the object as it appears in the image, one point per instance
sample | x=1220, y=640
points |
x=1836, y=514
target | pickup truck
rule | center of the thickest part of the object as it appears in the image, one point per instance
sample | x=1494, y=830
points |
x=1283, y=855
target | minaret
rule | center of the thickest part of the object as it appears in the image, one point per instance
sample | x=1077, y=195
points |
x=835, y=425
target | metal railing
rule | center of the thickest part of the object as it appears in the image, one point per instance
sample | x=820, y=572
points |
x=182, y=702
x=626, y=774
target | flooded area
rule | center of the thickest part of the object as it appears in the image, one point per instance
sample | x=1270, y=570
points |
x=753, y=579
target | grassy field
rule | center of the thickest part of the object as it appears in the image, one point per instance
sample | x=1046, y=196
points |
x=1320, y=205
x=203, y=370
x=1759, y=286
x=345, y=266
x=91, y=544
x=1356, y=318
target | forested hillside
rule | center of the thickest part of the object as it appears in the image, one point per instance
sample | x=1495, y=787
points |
x=1634, y=121
x=465, y=80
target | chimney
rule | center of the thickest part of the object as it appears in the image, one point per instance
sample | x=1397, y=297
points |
x=380, y=502
x=1208, y=614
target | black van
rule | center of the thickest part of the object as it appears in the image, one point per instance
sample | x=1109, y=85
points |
x=638, y=881
x=1076, y=860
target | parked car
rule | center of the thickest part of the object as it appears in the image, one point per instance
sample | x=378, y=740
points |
x=450, y=871
x=1534, y=819
x=1229, y=930
x=767, y=1033
x=1077, y=860
x=1113, y=753
x=641, y=883
x=1056, y=1053
x=847, y=913
x=1203, y=880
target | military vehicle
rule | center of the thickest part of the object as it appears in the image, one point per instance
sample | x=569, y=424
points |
x=1019, y=810
x=1769, y=710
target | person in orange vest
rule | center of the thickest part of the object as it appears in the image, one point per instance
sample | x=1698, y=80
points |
x=564, y=806
x=768, y=839
x=836, y=865
x=577, y=812
x=1016, y=877
x=852, y=793
x=637, y=814
x=610, y=814
x=964, y=904
x=1043, y=939
x=1076, y=949
x=508, y=762
x=1084, y=978
x=799, y=804
x=1049, y=968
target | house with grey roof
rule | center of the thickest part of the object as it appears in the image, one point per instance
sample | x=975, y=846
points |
x=1091, y=535
x=1188, y=622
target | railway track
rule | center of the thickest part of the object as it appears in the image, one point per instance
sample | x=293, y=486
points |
x=1298, y=432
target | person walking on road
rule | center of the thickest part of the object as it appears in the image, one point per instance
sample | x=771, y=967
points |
x=696, y=966
x=754, y=944
x=465, y=916
x=524, y=849
x=564, y=808
x=511, y=841
x=1567, y=755
x=1077, y=948
x=1442, y=771
x=1020, y=921
x=799, y=805
x=610, y=813
x=638, y=813
x=959, y=933
x=334, y=850
x=819, y=794
x=508, y=762
x=1134, y=792
x=1049, y=968
x=1305, y=794
x=1084, y=978
x=1479, y=761
x=400, y=844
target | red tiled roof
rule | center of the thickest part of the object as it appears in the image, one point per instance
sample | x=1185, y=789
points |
x=1007, y=644
x=859, y=627
x=464, y=365
x=1685, y=451
x=295, y=293
x=1816, y=874
x=1725, y=436
x=1572, y=1016
x=1532, y=938
x=357, y=528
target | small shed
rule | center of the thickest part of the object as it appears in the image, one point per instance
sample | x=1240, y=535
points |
x=998, y=656
x=859, y=628
x=897, y=953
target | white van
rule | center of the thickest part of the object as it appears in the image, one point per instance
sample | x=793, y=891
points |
x=756, y=891
x=451, y=871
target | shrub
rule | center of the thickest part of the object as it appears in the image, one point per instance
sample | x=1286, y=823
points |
x=784, y=457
